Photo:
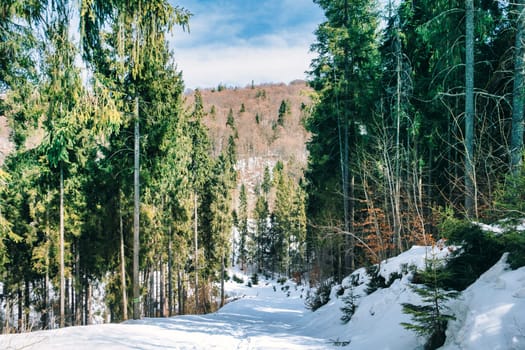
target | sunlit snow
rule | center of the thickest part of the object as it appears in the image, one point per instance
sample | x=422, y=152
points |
x=490, y=314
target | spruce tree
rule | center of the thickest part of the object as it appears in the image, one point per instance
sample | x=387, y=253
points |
x=344, y=73
x=261, y=251
x=65, y=117
x=128, y=60
x=243, y=226
x=430, y=319
x=266, y=185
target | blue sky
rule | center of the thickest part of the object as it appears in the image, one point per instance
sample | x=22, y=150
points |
x=237, y=41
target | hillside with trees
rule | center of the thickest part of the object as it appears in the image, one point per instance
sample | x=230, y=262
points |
x=409, y=131
x=268, y=123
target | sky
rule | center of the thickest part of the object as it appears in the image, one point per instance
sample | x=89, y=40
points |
x=236, y=42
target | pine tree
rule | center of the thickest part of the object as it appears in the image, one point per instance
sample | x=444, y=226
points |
x=243, y=226
x=284, y=110
x=199, y=168
x=344, y=75
x=230, y=120
x=128, y=59
x=430, y=319
x=282, y=224
x=266, y=185
x=289, y=224
x=261, y=247
x=64, y=116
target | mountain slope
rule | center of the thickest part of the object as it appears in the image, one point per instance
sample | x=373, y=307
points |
x=263, y=138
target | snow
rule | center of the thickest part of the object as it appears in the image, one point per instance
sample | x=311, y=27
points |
x=490, y=314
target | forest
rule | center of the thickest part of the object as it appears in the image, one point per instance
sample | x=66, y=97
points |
x=415, y=121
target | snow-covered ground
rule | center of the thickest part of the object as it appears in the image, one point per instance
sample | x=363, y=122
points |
x=490, y=314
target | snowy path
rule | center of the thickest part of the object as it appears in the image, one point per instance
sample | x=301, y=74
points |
x=266, y=319
x=490, y=315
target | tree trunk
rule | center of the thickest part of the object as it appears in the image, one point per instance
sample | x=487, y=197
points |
x=89, y=300
x=162, y=289
x=45, y=312
x=27, y=305
x=170, y=274
x=47, y=306
x=397, y=175
x=516, y=145
x=67, y=302
x=195, y=237
x=136, y=217
x=20, y=309
x=470, y=176
x=61, y=243
x=85, y=307
x=349, y=259
x=180, y=290
x=77, y=288
x=222, y=281
x=8, y=311
x=123, y=268
x=150, y=296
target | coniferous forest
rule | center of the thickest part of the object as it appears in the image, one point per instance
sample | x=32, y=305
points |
x=118, y=180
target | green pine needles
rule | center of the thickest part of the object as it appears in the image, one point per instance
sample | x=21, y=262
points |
x=350, y=305
x=430, y=319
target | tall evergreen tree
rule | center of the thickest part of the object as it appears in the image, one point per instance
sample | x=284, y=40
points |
x=137, y=48
x=343, y=74
x=243, y=226
x=199, y=167
x=65, y=115
x=262, y=243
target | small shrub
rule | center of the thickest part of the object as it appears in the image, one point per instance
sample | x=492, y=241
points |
x=392, y=278
x=514, y=243
x=349, y=306
x=255, y=279
x=261, y=93
x=281, y=280
x=479, y=251
x=376, y=280
x=237, y=279
x=354, y=280
x=321, y=295
x=510, y=196
x=404, y=269
x=430, y=319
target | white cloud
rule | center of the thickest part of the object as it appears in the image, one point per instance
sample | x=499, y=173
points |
x=238, y=66
x=234, y=43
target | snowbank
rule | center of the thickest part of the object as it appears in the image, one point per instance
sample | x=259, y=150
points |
x=490, y=314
